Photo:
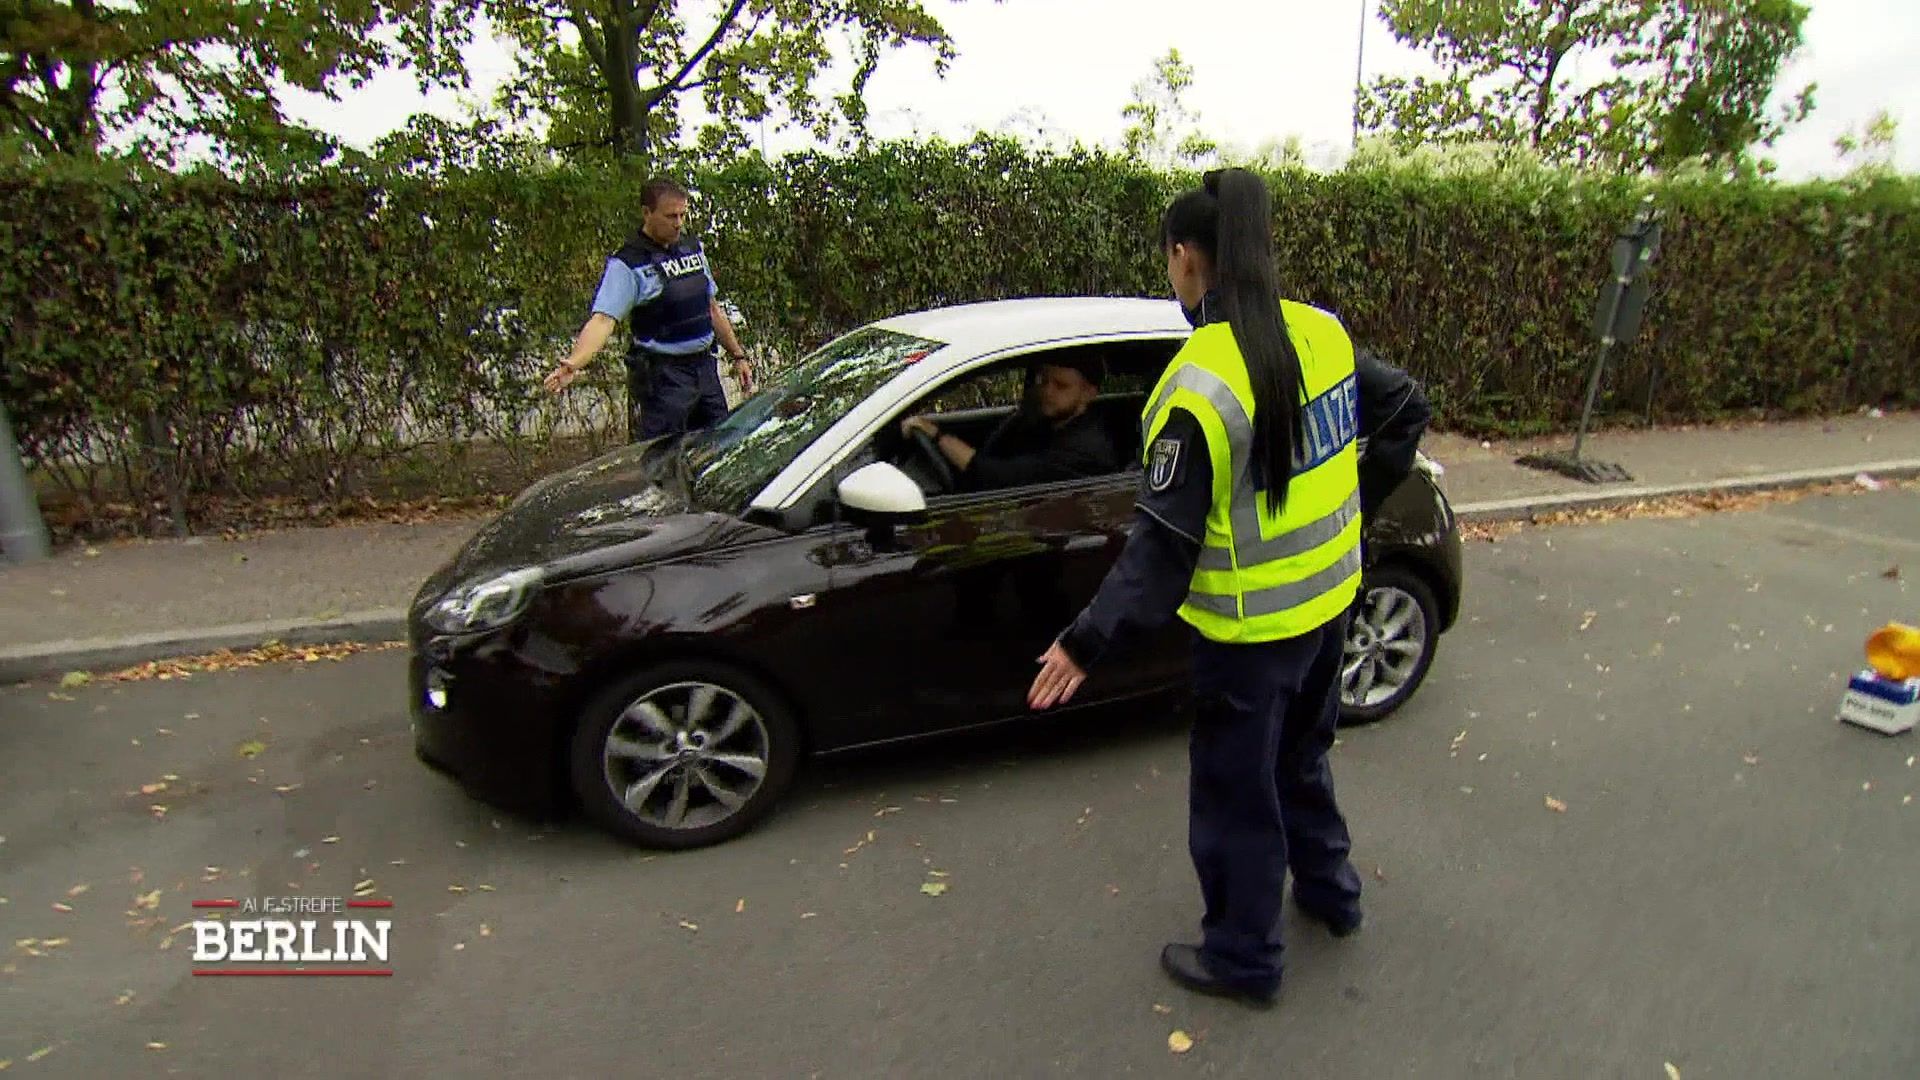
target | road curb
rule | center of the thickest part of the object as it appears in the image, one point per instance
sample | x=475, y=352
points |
x=23, y=663
x=52, y=659
x=1528, y=507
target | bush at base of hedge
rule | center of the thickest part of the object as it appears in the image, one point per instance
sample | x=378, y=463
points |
x=224, y=338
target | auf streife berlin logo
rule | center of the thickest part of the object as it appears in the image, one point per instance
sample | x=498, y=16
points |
x=287, y=935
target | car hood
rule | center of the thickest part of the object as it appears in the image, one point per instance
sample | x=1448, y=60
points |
x=624, y=507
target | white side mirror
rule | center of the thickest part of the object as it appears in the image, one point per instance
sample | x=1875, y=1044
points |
x=881, y=489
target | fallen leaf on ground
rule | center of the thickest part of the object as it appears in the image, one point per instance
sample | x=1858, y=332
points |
x=68, y=697
x=156, y=1046
x=1673, y=1073
x=485, y=930
x=1556, y=805
x=147, y=901
x=740, y=906
x=460, y=946
x=153, y=789
x=1179, y=1042
x=329, y=839
x=885, y=810
x=40, y=1053
x=73, y=679
x=1587, y=618
x=286, y=788
x=934, y=888
x=252, y=748
x=685, y=925
x=78, y=889
x=125, y=997
x=63, y=908
x=456, y=888
x=487, y=888
x=1163, y=1010
x=937, y=873
x=809, y=914
x=1751, y=759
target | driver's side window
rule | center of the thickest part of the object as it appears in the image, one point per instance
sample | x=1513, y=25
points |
x=1012, y=422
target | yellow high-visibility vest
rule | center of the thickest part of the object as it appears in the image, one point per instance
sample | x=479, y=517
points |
x=1266, y=575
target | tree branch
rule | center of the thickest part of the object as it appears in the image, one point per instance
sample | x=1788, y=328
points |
x=583, y=22
x=726, y=23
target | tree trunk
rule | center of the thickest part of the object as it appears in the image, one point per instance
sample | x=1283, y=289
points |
x=628, y=106
x=1544, y=100
x=79, y=101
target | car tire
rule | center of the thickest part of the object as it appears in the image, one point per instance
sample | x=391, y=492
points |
x=673, y=737
x=1395, y=629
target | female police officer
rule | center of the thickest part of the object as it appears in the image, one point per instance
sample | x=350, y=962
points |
x=1249, y=528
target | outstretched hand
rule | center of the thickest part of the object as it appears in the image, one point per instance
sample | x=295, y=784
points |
x=1059, y=679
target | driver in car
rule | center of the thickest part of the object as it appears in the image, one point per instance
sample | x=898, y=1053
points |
x=1055, y=438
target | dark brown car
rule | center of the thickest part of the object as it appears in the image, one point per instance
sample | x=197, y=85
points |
x=658, y=636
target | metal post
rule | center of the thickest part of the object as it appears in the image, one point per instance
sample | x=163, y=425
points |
x=23, y=536
x=1359, y=65
x=1599, y=367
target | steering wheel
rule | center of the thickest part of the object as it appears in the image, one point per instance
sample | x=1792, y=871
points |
x=937, y=461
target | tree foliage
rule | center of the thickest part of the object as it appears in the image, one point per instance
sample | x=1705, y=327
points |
x=1679, y=80
x=626, y=76
x=81, y=77
x=1161, y=130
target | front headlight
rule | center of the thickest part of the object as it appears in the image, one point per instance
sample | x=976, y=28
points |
x=485, y=605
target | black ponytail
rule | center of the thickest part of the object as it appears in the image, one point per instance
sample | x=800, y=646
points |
x=1231, y=220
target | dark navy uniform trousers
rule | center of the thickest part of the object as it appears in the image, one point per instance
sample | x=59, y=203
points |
x=673, y=394
x=1260, y=801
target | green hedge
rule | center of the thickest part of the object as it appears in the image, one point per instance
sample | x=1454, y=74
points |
x=189, y=335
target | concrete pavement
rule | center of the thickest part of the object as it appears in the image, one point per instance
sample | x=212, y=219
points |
x=123, y=603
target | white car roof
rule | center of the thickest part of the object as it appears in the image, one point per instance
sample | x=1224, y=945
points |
x=993, y=325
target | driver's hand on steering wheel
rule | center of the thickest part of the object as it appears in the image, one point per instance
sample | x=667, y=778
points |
x=918, y=423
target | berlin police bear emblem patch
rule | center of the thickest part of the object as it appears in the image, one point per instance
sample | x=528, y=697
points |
x=1161, y=463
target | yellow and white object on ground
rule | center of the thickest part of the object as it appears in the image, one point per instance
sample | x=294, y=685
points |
x=1886, y=696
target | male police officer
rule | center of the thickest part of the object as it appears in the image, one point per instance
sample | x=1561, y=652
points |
x=661, y=278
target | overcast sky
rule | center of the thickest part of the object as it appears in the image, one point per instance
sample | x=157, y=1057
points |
x=1263, y=70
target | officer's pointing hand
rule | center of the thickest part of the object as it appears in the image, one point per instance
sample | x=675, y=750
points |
x=561, y=377
x=1058, y=680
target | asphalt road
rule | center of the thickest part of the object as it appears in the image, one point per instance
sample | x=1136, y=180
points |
x=1731, y=887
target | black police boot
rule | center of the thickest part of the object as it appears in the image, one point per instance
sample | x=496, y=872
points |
x=1339, y=925
x=1183, y=963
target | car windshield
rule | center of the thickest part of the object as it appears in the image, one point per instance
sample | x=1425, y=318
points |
x=729, y=463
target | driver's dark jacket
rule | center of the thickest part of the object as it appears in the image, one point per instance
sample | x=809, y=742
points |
x=1155, y=567
x=1027, y=450
x=1393, y=415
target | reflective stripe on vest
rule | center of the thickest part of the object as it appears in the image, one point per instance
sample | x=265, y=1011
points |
x=1263, y=576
